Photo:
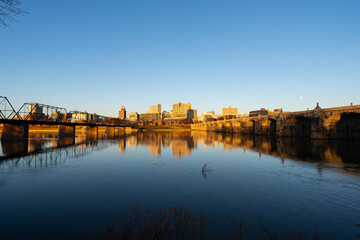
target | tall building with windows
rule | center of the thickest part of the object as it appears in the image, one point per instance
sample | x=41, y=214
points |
x=180, y=110
x=229, y=111
x=122, y=113
x=155, y=108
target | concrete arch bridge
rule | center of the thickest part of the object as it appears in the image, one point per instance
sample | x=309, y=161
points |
x=319, y=123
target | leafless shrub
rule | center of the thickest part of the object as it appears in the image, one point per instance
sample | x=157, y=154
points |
x=317, y=236
x=296, y=236
x=179, y=223
x=238, y=229
x=176, y=223
x=269, y=235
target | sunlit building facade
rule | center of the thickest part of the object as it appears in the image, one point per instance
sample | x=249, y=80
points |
x=229, y=111
x=133, y=116
x=180, y=110
x=122, y=113
x=155, y=109
x=149, y=117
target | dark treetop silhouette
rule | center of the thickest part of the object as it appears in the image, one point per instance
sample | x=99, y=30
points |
x=9, y=10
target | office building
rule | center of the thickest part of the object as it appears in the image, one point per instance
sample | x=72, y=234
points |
x=149, y=117
x=191, y=113
x=180, y=110
x=155, y=108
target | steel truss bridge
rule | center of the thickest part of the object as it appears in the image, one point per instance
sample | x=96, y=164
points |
x=37, y=113
x=16, y=123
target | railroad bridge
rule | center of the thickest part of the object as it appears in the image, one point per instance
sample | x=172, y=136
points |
x=319, y=123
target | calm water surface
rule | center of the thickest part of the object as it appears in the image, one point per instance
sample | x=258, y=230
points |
x=66, y=189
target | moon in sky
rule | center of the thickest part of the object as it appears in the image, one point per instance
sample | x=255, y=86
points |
x=301, y=97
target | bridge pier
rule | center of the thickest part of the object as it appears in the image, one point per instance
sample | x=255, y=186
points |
x=65, y=142
x=15, y=132
x=66, y=131
x=110, y=131
x=15, y=148
x=121, y=129
x=92, y=130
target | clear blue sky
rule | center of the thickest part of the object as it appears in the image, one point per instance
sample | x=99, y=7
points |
x=99, y=55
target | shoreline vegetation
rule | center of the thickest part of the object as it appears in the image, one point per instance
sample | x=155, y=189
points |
x=179, y=223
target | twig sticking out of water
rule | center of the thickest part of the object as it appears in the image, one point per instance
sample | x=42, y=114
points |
x=205, y=170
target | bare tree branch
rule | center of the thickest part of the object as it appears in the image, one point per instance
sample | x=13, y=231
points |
x=9, y=10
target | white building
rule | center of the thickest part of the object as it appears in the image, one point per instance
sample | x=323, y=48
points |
x=133, y=116
x=209, y=113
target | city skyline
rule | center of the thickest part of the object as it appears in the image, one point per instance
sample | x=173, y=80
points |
x=248, y=55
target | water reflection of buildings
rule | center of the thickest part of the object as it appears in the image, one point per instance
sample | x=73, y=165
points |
x=155, y=149
x=122, y=145
x=336, y=154
x=131, y=141
x=326, y=154
x=181, y=143
x=180, y=148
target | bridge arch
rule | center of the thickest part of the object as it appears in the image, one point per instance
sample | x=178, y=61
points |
x=219, y=126
x=228, y=127
x=237, y=126
x=250, y=127
x=343, y=125
x=297, y=126
x=268, y=126
x=212, y=126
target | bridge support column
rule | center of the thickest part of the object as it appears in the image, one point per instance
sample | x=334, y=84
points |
x=15, y=148
x=66, y=131
x=92, y=130
x=15, y=132
x=110, y=131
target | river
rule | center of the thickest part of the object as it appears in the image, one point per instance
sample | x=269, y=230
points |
x=68, y=188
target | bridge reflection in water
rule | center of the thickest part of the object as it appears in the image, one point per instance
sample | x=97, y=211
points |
x=45, y=150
